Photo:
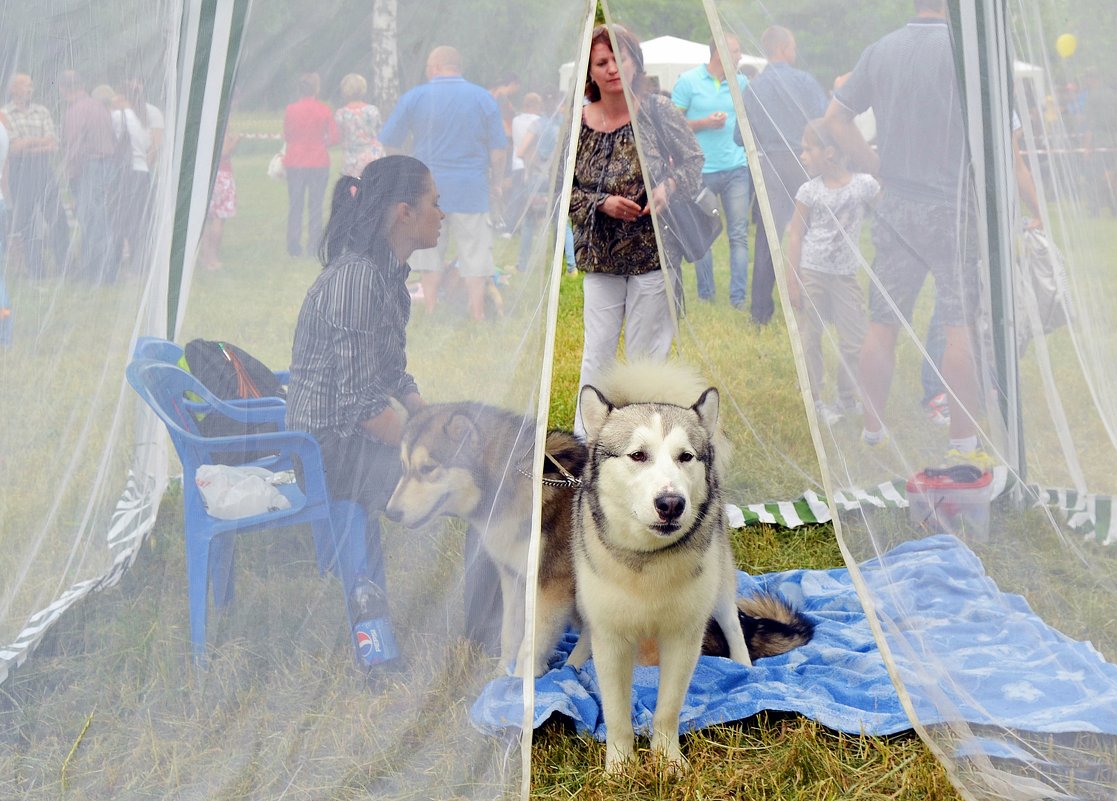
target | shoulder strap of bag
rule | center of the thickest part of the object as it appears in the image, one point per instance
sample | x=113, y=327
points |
x=663, y=170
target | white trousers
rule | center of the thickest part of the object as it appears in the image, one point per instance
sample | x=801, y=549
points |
x=636, y=303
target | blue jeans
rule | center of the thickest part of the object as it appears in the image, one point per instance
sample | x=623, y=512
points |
x=305, y=185
x=38, y=218
x=91, y=188
x=5, y=303
x=568, y=248
x=734, y=187
x=935, y=345
x=783, y=175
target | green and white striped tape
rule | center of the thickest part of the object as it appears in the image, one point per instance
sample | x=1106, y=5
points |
x=1088, y=514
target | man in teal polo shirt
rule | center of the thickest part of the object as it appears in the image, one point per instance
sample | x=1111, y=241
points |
x=704, y=97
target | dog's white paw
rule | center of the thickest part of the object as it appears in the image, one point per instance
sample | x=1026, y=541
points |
x=526, y=660
x=742, y=659
x=616, y=754
x=668, y=749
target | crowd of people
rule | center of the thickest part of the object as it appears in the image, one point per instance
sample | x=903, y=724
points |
x=456, y=165
x=75, y=198
x=103, y=152
x=489, y=151
x=635, y=150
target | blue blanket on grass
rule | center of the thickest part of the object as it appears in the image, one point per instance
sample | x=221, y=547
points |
x=1013, y=669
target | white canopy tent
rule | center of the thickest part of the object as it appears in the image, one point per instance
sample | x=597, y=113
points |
x=668, y=57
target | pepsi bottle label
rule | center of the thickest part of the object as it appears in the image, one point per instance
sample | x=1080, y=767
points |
x=375, y=641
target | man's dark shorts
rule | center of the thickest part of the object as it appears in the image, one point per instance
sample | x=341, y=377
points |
x=913, y=238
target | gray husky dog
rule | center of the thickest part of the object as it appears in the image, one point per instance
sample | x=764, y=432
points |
x=474, y=461
x=652, y=557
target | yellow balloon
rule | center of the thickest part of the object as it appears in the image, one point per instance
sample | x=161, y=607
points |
x=1066, y=44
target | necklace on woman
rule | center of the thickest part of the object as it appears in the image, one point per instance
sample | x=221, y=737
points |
x=605, y=123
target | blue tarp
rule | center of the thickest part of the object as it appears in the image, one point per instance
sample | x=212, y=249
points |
x=994, y=659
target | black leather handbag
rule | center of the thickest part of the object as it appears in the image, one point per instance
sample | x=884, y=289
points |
x=694, y=223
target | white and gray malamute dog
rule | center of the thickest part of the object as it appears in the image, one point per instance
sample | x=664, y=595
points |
x=474, y=461
x=652, y=557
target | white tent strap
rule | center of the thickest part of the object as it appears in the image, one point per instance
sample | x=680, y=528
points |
x=132, y=520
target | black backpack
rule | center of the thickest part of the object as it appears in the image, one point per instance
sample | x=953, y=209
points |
x=231, y=373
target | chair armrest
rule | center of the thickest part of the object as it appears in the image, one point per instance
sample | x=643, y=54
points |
x=247, y=411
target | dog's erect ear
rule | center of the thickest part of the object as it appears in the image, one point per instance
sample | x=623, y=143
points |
x=461, y=429
x=594, y=409
x=707, y=409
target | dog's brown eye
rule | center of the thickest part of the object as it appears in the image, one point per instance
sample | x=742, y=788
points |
x=686, y=456
x=638, y=456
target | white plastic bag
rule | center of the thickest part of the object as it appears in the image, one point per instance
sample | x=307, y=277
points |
x=1041, y=286
x=276, y=170
x=231, y=492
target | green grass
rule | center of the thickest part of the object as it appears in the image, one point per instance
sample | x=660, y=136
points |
x=110, y=706
x=770, y=757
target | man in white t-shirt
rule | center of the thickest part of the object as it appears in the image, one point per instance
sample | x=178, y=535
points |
x=522, y=125
x=143, y=125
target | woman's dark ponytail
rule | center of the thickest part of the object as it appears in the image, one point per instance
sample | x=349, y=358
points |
x=359, y=208
x=343, y=210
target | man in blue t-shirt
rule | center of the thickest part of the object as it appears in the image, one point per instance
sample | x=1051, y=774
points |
x=703, y=94
x=455, y=128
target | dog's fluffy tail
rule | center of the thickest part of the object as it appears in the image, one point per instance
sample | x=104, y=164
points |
x=770, y=624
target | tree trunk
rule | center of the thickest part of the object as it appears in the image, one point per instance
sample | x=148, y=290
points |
x=384, y=88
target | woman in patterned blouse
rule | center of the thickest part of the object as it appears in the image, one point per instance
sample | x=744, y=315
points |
x=614, y=239
x=358, y=123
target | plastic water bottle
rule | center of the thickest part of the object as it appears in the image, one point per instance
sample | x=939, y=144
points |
x=372, y=628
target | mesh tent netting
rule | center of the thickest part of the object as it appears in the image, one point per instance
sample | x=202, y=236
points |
x=994, y=640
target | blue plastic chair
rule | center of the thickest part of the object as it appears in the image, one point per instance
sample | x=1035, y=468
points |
x=338, y=527
x=164, y=350
x=157, y=348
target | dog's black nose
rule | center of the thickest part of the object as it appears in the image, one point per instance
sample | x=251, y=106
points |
x=670, y=506
x=395, y=515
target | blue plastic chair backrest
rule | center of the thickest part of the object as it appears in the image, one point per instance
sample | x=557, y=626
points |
x=162, y=350
x=164, y=387
x=181, y=400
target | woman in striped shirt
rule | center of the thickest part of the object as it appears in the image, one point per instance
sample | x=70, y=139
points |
x=349, y=382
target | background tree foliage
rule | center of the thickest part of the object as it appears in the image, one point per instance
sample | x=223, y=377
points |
x=830, y=35
x=107, y=42
x=333, y=37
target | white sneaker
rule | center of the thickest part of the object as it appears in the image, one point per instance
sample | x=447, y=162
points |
x=827, y=415
x=880, y=443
